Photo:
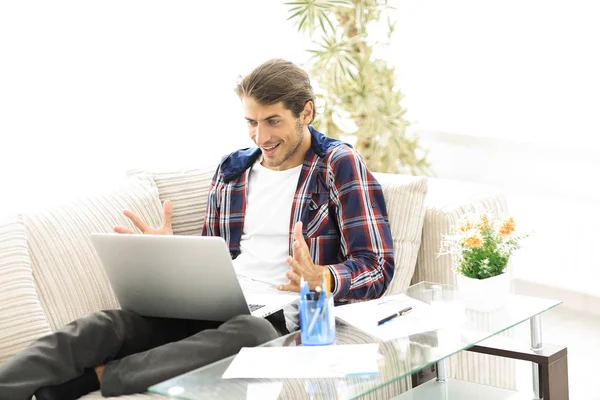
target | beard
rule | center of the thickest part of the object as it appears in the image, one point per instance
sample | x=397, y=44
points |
x=293, y=148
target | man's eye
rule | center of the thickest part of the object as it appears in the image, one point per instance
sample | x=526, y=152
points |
x=251, y=123
x=273, y=121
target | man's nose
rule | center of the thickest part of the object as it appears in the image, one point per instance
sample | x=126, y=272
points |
x=261, y=136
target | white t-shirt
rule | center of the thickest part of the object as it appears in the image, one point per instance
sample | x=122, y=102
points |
x=264, y=244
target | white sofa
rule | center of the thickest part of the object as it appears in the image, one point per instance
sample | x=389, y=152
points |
x=50, y=274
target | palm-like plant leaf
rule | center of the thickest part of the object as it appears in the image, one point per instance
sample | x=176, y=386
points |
x=354, y=85
x=311, y=12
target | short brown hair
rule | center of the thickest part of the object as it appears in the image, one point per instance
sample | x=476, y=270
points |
x=277, y=81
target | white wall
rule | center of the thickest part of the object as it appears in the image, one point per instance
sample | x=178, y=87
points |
x=90, y=89
x=519, y=69
x=506, y=93
x=552, y=194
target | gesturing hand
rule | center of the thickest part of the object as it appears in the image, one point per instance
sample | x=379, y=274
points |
x=165, y=229
x=302, y=265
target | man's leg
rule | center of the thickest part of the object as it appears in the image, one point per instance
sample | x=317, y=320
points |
x=85, y=343
x=137, y=372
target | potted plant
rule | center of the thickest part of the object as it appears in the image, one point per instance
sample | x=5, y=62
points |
x=481, y=247
x=358, y=98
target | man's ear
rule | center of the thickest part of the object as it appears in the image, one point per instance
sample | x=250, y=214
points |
x=308, y=111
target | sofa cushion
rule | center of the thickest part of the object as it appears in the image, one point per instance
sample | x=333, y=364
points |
x=70, y=278
x=405, y=202
x=188, y=191
x=22, y=318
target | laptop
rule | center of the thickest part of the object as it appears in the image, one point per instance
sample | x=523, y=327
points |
x=190, y=277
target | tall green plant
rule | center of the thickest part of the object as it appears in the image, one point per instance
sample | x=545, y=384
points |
x=356, y=94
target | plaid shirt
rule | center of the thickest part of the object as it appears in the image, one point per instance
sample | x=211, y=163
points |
x=340, y=204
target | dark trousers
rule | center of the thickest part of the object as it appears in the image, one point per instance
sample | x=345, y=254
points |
x=137, y=352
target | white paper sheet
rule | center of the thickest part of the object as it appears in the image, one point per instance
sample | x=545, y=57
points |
x=264, y=390
x=365, y=315
x=305, y=362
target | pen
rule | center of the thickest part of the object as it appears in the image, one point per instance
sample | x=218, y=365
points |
x=398, y=314
x=303, y=288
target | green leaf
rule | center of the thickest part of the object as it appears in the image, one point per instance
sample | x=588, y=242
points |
x=322, y=24
x=294, y=15
x=330, y=23
x=355, y=84
x=301, y=23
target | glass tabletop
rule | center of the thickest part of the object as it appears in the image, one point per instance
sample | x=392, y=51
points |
x=401, y=356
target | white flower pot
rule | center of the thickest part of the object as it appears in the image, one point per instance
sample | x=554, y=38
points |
x=483, y=294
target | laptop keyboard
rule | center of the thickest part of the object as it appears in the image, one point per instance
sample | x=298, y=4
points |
x=254, y=307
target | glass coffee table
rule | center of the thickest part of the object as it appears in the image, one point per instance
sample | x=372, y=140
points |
x=401, y=357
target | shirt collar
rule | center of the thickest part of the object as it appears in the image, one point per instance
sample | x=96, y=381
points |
x=233, y=165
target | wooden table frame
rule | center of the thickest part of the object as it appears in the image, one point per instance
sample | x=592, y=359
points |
x=550, y=371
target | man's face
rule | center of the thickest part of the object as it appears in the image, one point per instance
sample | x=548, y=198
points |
x=277, y=133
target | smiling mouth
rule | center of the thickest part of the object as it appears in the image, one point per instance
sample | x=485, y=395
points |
x=269, y=150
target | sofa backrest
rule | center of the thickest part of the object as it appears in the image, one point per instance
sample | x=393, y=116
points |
x=404, y=197
x=22, y=318
x=68, y=274
x=188, y=191
x=405, y=201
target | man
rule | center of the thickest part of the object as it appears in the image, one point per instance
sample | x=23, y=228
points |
x=297, y=205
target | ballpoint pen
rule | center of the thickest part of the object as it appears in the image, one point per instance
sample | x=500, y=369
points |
x=320, y=308
x=398, y=314
x=303, y=288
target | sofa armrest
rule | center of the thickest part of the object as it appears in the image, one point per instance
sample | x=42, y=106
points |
x=446, y=202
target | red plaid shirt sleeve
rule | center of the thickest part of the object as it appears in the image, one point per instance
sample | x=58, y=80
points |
x=366, y=239
x=211, y=218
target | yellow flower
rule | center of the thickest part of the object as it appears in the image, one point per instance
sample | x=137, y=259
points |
x=465, y=225
x=508, y=227
x=473, y=241
x=485, y=221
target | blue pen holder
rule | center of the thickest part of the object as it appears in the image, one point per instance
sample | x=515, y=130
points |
x=317, y=321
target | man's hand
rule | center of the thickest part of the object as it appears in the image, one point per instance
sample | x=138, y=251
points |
x=165, y=229
x=301, y=265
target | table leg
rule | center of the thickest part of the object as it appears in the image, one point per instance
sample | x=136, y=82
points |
x=536, y=345
x=441, y=371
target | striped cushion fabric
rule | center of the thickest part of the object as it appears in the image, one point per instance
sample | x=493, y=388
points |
x=69, y=275
x=22, y=318
x=188, y=191
x=405, y=202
